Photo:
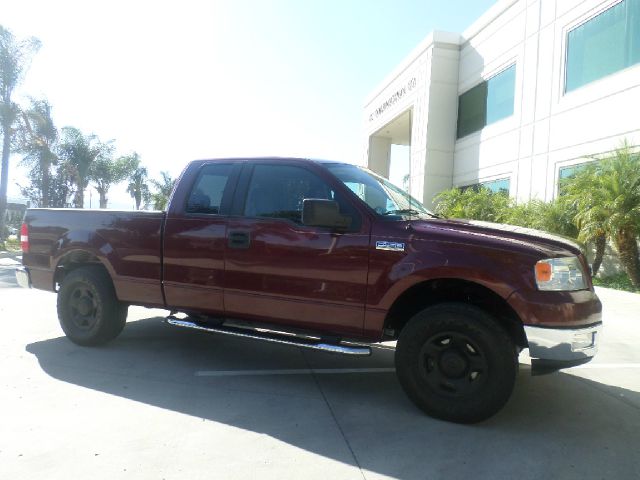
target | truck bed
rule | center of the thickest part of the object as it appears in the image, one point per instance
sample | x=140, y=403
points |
x=128, y=243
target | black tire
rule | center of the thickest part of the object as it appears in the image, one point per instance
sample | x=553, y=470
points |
x=456, y=363
x=88, y=309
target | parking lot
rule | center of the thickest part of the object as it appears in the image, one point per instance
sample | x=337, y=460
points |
x=164, y=403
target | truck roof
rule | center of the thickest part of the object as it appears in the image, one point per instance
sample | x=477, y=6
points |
x=271, y=160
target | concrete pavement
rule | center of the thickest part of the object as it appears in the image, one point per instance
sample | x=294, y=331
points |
x=154, y=404
x=8, y=262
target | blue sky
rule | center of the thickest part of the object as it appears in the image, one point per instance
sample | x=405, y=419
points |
x=176, y=81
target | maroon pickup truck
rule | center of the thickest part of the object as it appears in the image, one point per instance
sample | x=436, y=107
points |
x=328, y=256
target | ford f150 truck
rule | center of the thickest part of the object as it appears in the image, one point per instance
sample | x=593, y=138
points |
x=329, y=256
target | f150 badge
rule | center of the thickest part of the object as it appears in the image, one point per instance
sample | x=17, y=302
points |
x=392, y=246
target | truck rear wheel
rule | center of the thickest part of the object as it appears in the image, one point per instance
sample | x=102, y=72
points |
x=456, y=363
x=88, y=309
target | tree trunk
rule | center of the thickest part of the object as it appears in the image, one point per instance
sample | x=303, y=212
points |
x=46, y=184
x=103, y=198
x=4, y=177
x=601, y=245
x=138, y=196
x=78, y=200
x=627, y=245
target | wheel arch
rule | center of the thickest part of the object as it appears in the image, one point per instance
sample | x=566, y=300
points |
x=435, y=291
x=77, y=258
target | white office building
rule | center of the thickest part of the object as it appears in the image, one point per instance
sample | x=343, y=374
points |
x=515, y=102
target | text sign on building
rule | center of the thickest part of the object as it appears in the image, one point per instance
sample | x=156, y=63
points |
x=394, y=98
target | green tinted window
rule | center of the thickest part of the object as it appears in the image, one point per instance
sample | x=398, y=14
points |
x=496, y=186
x=472, y=110
x=604, y=45
x=568, y=172
x=565, y=173
x=500, y=93
x=487, y=102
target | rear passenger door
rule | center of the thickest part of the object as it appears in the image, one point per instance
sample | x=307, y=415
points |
x=195, y=238
x=281, y=271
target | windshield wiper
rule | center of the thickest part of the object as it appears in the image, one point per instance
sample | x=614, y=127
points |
x=410, y=211
x=403, y=211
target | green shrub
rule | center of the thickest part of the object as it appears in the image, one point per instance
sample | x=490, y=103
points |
x=10, y=244
x=619, y=282
x=481, y=204
x=554, y=217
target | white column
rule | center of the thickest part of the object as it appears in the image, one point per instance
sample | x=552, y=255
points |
x=379, y=155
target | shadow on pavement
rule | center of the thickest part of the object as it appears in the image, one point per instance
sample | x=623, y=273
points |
x=557, y=425
x=8, y=263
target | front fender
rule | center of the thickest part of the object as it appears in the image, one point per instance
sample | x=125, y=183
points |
x=393, y=273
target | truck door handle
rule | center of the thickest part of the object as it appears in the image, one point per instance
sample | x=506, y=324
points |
x=239, y=239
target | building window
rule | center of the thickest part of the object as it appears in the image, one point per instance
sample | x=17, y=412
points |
x=500, y=185
x=603, y=45
x=565, y=173
x=568, y=172
x=487, y=102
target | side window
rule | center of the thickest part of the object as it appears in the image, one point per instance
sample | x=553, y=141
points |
x=277, y=191
x=206, y=195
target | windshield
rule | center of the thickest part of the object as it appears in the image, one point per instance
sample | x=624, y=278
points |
x=377, y=192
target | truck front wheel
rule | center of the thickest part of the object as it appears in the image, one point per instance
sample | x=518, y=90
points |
x=456, y=363
x=88, y=309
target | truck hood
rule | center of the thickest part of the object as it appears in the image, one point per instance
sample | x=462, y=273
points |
x=476, y=231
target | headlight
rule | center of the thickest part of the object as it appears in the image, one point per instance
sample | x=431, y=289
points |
x=560, y=274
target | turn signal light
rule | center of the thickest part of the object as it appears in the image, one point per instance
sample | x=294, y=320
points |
x=543, y=271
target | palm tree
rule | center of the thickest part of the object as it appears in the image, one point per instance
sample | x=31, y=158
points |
x=38, y=143
x=15, y=57
x=164, y=188
x=406, y=182
x=79, y=151
x=573, y=193
x=138, y=188
x=105, y=172
x=610, y=205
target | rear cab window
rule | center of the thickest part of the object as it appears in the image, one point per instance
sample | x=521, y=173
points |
x=206, y=195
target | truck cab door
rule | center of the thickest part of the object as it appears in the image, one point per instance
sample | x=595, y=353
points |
x=195, y=236
x=280, y=271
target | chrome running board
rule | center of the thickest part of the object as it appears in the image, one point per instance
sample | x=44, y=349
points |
x=273, y=337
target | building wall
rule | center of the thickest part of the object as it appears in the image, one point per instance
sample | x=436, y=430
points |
x=549, y=129
x=441, y=120
x=425, y=85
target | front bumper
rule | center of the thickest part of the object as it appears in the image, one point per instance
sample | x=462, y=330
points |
x=23, y=278
x=555, y=348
